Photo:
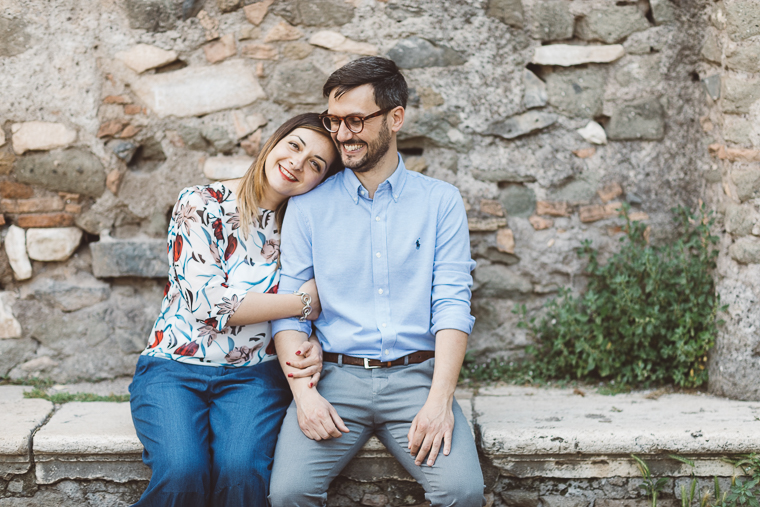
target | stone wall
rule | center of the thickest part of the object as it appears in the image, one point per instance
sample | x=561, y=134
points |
x=730, y=53
x=547, y=114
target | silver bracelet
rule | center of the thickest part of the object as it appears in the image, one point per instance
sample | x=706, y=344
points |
x=306, y=301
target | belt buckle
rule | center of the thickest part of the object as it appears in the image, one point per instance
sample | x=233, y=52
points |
x=367, y=366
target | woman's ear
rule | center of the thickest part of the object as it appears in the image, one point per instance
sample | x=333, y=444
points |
x=397, y=118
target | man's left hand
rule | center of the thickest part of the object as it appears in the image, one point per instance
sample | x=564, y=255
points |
x=434, y=423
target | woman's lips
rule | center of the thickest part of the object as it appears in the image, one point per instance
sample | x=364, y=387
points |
x=287, y=175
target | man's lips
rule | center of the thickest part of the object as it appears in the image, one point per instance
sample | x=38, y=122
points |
x=287, y=175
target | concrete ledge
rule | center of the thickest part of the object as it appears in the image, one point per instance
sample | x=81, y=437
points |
x=21, y=417
x=530, y=432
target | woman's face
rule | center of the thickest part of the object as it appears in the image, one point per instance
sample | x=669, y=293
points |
x=298, y=163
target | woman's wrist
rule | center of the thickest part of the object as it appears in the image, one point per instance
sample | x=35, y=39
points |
x=305, y=310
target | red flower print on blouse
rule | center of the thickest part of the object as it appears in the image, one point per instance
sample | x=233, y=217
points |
x=188, y=349
x=159, y=335
x=217, y=225
x=231, y=246
x=178, y=247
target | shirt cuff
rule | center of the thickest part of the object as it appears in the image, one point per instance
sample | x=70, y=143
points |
x=462, y=323
x=291, y=324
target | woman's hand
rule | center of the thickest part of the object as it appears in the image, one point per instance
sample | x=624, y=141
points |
x=309, y=362
x=310, y=288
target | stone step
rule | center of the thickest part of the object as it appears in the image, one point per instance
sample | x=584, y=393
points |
x=523, y=432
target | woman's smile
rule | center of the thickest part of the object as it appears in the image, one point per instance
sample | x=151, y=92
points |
x=287, y=175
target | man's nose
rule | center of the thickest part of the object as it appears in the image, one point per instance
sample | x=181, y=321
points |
x=343, y=133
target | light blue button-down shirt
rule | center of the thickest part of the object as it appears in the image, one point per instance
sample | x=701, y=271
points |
x=391, y=271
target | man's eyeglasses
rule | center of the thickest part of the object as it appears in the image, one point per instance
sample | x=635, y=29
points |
x=354, y=123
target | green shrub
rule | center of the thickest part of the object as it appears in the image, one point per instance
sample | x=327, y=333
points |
x=648, y=315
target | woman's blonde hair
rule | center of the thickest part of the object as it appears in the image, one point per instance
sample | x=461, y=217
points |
x=251, y=188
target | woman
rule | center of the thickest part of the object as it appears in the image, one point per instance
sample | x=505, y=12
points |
x=208, y=396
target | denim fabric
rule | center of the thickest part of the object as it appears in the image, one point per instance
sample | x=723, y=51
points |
x=209, y=432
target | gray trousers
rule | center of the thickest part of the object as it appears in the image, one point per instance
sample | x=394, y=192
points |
x=381, y=401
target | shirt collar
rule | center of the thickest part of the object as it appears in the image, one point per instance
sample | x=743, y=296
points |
x=396, y=181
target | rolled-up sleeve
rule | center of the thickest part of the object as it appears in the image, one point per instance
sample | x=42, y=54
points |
x=452, y=269
x=297, y=262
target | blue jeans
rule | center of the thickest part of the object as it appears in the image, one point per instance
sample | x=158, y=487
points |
x=209, y=432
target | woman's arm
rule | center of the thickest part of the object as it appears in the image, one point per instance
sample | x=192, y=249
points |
x=257, y=307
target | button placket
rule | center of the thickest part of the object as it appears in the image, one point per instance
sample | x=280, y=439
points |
x=381, y=276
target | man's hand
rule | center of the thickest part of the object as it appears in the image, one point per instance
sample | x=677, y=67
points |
x=433, y=423
x=317, y=418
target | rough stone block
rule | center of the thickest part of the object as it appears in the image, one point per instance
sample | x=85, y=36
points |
x=15, y=39
x=89, y=441
x=611, y=24
x=293, y=83
x=34, y=205
x=711, y=49
x=151, y=15
x=568, y=55
x=14, y=352
x=337, y=42
x=597, y=212
x=593, y=133
x=498, y=281
x=509, y=12
x=46, y=220
x=746, y=250
x=551, y=21
x=315, y=12
x=226, y=168
x=70, y=294
x=564, y=501
x=71, y=170
x=737, y=130
x=144, y=57
x=641, y=120
x=742, y=18
x=663, y=11
x=518, y=200
x=228, y=5
x=283, y=31
x=256, y=12
x=13, y=190
x=577, y=92
x=41, y=135
x=141, y=257
x=54, y=244
x=740, y=220
x=297, y=50
x=21, y=417
x=554, y=209
x=522, y=124
x=535, y=90
x=505, y=241
x=540, y=223
x=259, y=51
x=486, y=224
x=9, y=326
x=15, y=248
x=747, y=183
x=491, y=207
x=739, y=94
x=222, y=49
x=195, y=91
x=520, y=498
x=746, y=58
x=610, y=191
x=415, y=52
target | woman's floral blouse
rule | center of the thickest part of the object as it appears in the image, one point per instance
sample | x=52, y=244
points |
x=212, y=268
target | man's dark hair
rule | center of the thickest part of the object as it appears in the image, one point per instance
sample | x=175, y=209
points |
x=386, y=79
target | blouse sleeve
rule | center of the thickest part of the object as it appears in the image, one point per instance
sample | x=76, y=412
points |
x=199, y=244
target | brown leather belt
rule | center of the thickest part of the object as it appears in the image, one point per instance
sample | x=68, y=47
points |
x=413, y=358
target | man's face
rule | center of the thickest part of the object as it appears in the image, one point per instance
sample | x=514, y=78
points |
x=360, y=152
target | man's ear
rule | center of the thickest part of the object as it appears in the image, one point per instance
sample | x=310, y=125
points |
x=397, y=118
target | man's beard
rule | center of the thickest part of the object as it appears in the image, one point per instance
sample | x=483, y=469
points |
x=375, y=151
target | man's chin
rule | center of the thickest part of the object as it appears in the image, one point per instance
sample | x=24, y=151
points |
x=355, y=164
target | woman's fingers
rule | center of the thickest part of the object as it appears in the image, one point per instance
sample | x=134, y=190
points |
x=315, y=379
x=305, y=372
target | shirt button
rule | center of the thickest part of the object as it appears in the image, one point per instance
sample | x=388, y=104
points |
x=387, y=352
x=384, y=324
x=379, y=291
x=377, y=254
x=377, y=219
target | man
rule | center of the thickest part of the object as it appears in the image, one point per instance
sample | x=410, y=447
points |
x=390, y=252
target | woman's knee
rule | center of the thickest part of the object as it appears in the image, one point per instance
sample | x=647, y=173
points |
x=181, y=471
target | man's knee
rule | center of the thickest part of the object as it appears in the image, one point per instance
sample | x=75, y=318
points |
x=292, y=491
x=464, y=490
